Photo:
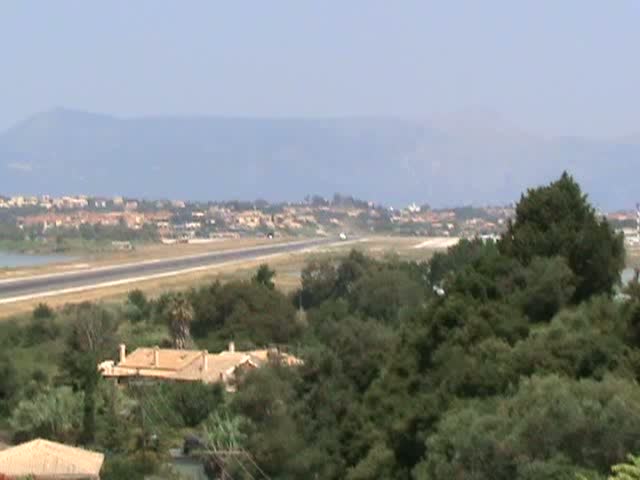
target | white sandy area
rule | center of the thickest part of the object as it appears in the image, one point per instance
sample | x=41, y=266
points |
x=438, y=242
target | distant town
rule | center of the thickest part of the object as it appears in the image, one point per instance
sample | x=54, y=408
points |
x=44, y=222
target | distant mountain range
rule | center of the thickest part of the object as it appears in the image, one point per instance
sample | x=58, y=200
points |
x=453, y=161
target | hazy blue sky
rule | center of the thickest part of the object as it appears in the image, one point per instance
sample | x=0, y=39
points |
x=555, y=66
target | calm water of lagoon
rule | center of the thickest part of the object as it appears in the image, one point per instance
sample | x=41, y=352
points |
x=14, y=260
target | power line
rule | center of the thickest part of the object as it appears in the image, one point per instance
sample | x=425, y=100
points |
x=241, y=452
x=243, y=467
x=143, y=399
x=248, y=455
x=220, y=465
x=145, y=405
x=158, y=394
x=159, y=413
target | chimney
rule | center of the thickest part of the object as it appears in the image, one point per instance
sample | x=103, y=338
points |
x=232, y=347
x=123, y=352
x=156, y=356
x=273, y=354
x=205, y=360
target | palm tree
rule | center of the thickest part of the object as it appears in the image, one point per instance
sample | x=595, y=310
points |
x=627, y=471
x=623, y=471
x=180, y=315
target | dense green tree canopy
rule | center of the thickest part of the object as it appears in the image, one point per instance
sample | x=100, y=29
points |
x=488, y=361
x=548, y=422
x=557, y=220
x=246, y=311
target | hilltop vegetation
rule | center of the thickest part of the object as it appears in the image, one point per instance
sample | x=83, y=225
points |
x=493, y=361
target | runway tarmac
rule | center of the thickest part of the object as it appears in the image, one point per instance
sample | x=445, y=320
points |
x=25, y=288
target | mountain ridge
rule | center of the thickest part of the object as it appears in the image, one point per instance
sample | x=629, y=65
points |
x=384, y=159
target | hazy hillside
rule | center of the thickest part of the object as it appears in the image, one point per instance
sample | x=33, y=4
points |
x=388, y=160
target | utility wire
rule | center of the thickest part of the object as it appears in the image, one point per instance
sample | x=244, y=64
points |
x=145, y=403
x=248, y=455
x=165, y=403
x=223, y=470
x=243, y=467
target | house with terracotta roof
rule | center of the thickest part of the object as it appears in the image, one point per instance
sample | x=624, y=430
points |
x=190, y=365
x=46, y=460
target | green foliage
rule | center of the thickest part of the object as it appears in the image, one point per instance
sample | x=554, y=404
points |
x=549, y=285
x=91, y=339
x=116, y=468
x=132, y=467
x=264, y=276
x=629, y=470
x=557, y=220
x=523, y=368
x=42, y=311
x=42, y=328
x=244, y=311
x=481, y=272
x=384, y=293
x=11, y=334
x=266, y=401
x=86, y=238
x=222, y=431
x=349, y=271
x=9, y=383
x=192, y=402
x=319, y=279
x=360, y=346
x=11, y=232
x=549, y=420
x=206, y=316
x=138, y=307
x=143, y=334
x=114, y=419
x=54, y=414
x=92, y=330
x=579, y=344
x=378, y=463
x=179, y=313
x=457, y=257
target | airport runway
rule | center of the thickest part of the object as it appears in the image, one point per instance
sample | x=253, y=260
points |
x=25, y=288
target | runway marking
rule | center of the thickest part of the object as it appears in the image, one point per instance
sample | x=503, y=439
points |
x=147, y=262
x=153, y=276
x=125, y=281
